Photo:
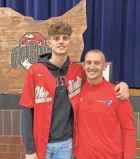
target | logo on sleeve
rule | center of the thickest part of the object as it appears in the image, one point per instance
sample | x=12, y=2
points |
x=74, y=87
x=41, y=95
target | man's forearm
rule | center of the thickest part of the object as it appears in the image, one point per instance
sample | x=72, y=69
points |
x=125, y=114
x=129, y=146
x=27, y=130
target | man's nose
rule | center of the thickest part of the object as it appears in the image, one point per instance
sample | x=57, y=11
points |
x=92, y=66
x=61, y=40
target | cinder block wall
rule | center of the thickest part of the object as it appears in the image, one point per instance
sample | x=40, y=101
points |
x=10, y=135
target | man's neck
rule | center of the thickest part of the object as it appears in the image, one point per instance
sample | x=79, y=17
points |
x=58, y=60
x=96, y=81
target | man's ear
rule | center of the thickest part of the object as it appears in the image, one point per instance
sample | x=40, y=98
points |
x=70, y=40
x=105, y=66
x=49, y=43
x=83, y=65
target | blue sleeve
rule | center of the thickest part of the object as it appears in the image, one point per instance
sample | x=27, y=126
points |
x=27, y=130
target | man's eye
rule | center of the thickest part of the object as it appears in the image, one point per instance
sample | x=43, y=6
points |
x=97, y=63
x=65, y=37
x=88, y=62
x=56, y=38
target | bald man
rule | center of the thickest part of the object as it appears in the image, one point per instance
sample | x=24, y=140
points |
x=105, y=128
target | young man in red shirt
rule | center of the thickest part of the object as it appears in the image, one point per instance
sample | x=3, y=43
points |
x=52, y=89
x=105, y=123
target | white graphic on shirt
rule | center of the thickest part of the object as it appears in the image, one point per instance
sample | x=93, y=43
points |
x=101, y=101
x=74, y=87
x=41, y=95
x=40, y=74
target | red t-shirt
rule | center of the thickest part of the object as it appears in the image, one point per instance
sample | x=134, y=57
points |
x=105, y=124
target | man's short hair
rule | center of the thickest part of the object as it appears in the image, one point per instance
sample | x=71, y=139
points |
x=97, y=51
x=60, y=28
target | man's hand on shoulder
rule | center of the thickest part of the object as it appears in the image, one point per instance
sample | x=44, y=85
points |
x=31, y=156
x=122, y=90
